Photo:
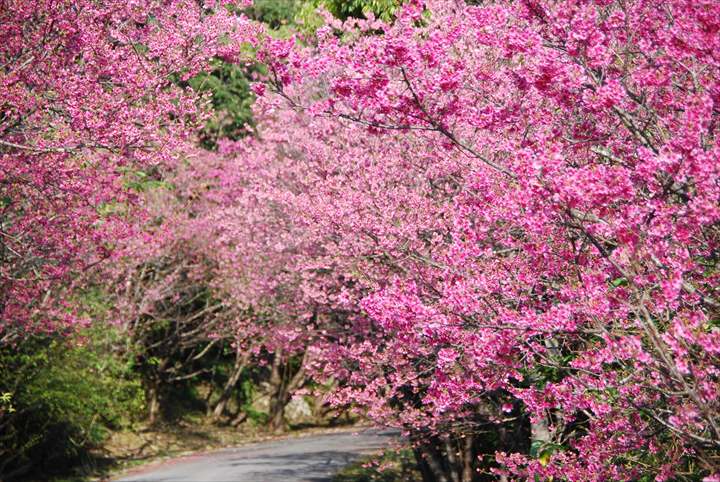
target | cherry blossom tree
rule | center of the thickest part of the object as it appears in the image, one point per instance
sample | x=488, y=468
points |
x=88, y=97
x=507, y=214
x=494, y=226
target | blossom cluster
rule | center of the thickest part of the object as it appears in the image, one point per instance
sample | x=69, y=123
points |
x=502, y=211
x=89, y=96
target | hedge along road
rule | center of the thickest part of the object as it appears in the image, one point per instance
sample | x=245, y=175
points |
x=303, y=459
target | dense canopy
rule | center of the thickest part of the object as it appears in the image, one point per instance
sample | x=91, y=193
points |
x=494, y=225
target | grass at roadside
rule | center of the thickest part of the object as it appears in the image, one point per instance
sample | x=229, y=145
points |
x=389, y=466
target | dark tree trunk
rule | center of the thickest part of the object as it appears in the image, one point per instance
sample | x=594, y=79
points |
x=467, y=456
x=152, y=399
x=154, y=391
x=276, y=411
x=430, y=464
x=240, y=363
x=284, y=385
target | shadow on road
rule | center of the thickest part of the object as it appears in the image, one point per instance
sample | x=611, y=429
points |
x=307, y=459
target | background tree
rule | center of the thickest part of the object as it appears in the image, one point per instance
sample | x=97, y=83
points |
x=85, y=98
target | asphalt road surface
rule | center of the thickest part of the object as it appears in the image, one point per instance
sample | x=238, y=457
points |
x=303, y=459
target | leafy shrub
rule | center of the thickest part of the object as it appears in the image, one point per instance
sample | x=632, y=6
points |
x=60, y=399
x=390, y=466
x=275, y=13
x=231, y=101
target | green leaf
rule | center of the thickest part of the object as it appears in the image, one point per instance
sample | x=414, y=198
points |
x=619, y=282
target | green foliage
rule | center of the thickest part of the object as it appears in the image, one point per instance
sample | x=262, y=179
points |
x=391, y=466
x=232, y=102
x=228, y=84
x=308, y=20
x=617, y=282
x=543, y=451
x=343, y=9
x=6, y=403
x=246, y=396
x=60, y=398
x=142, y=181
x=275, y=13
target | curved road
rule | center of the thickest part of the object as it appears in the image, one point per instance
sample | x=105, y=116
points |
x=303, y=459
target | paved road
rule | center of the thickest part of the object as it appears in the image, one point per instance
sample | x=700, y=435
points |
x=303, y=459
